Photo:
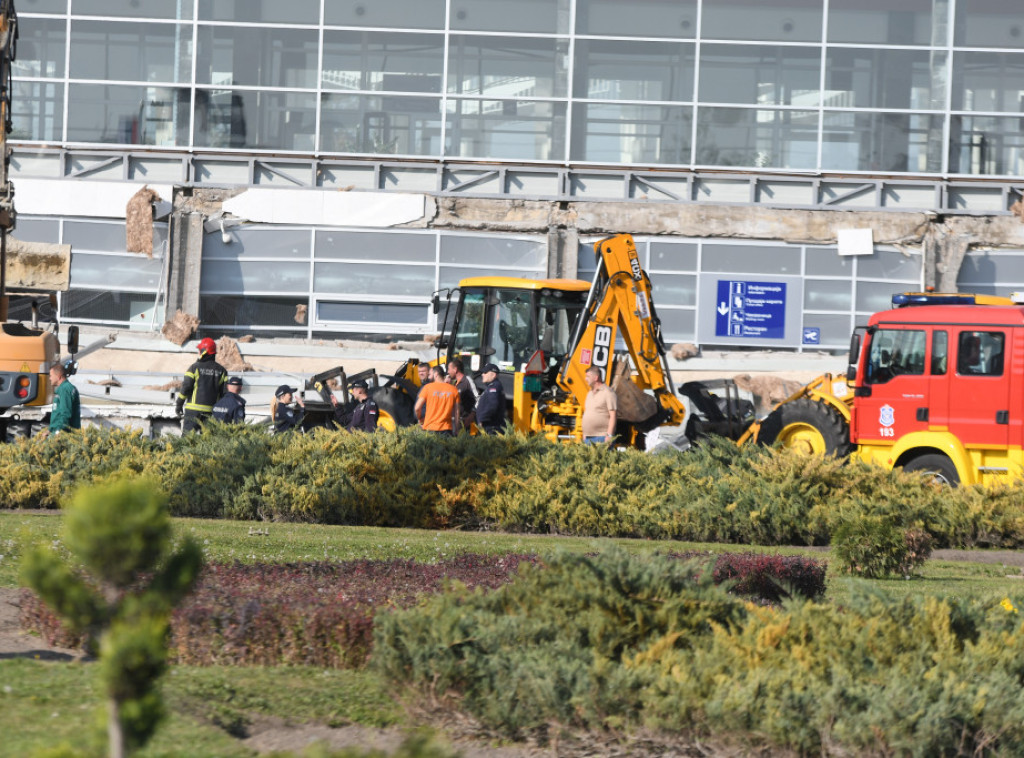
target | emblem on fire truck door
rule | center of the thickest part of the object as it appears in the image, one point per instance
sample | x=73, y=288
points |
x=886, y=417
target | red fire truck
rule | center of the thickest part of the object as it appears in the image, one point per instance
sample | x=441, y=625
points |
x=935, y=384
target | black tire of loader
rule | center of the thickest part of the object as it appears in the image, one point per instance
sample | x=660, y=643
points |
x=829, y=423
x=398, y=404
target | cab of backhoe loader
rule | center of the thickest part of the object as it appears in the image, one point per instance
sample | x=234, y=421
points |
x=506, y=320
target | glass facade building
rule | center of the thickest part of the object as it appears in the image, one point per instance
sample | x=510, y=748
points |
x=927, y=87
x=919, y=89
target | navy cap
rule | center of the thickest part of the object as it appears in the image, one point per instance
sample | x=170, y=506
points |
x=235, y=381
x=359, y=384
x=490, y=367
x=284, y=389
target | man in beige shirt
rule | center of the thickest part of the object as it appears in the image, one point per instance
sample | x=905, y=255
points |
x=599, y=410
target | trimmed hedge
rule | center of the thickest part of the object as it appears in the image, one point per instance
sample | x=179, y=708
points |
x=717, y=492
x=618, y=643
x=322, y=614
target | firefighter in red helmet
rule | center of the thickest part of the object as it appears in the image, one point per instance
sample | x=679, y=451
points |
x=203, y=386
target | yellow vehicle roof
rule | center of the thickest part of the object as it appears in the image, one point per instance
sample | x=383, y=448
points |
x=511, y=282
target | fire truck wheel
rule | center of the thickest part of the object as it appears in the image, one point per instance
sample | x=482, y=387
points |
x=807, y=426
x=938, y=465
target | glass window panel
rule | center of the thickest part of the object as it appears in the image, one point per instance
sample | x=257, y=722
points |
x=506, y=130
x=40, y=47
x=909, y=22
x=103, y=305
x=889, y=264
x=516, y=67
x=828, y=295
x=978, y=268
x=174, y=9
x=986, y=145
x=760, y=74
x=131, y=51
x=678, y=325
x=255, y=119
x=826, y=261
x=456, y=249
x=450, y=276
x=86, y=235
x=541, y=16
x=757, y=138
x=287, y=244
x=38, y=230
x=751, y=259
x=650, y=134
x=42, y=6
x=119, y=272
x=618, y=70
x=988, y=81
x=373, y=279
x=37, y=111
x=882, y=142
x=388, y=313
x=782, y=20
x=252, y=310
x=358, y=60
x=860, y=78
x=128, y=115
x=876, y=296
x=674, y=289
x=404, y=14
x=835, y=329
x=989, y=23
x=638, y=18
x=257, y=57
x=374, y=125
x=261, y=11
x=672, y=256
x=254, y=276
x=413, y=248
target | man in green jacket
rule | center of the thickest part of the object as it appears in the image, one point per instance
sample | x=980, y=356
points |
x=67, y=409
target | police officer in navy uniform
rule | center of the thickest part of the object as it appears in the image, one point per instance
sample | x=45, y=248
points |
x=288, y=414
x=202, y=387
x=490, y=408
x=364, y=416
x=231, y=408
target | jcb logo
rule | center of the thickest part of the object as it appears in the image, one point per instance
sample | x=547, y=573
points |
x=602, y=349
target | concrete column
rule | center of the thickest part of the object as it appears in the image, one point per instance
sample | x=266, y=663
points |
x=563, y=249
x=186, y=261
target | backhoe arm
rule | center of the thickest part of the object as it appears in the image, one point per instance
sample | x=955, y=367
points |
x=620, y=304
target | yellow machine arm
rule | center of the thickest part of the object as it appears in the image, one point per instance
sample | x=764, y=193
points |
x=620, y=305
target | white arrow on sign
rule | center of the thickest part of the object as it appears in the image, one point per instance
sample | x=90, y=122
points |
x=723, y=309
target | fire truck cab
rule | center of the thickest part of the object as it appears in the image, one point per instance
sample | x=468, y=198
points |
x=938, y=385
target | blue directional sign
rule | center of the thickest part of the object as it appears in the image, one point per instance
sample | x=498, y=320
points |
x=812, y=335
x=751, y=309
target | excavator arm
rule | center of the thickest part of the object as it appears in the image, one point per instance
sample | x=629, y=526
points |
x=619, y=304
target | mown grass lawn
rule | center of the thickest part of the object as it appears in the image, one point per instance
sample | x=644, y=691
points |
x=43, y=704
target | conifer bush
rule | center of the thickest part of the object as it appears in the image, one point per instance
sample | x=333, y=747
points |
x=875, y=546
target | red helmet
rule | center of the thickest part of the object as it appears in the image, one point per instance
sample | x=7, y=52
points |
x=207, y=346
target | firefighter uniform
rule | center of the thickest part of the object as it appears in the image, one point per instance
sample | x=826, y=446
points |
x=202, y=387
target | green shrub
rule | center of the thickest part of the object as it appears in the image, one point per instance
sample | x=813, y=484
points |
x=875, y=546
x=548, y=648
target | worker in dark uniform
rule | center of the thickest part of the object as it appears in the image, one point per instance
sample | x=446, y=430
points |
x=231, y=408
x=288, y=414
x=364, y=416
x=490, y=408
x=467, y=392
x=202, y=387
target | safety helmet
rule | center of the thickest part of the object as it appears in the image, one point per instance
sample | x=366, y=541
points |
x=207, y=346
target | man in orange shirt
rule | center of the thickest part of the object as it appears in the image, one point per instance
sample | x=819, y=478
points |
x=439, y=403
